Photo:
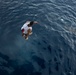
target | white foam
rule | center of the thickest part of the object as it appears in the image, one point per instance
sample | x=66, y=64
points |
x=62, y=19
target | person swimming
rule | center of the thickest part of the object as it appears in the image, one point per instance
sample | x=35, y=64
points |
x=27, y=28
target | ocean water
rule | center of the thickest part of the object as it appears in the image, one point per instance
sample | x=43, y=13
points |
x=50, y=50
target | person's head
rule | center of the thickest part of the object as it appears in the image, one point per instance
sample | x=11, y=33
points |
x=31, y=23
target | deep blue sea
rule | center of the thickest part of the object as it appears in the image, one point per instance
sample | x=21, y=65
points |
x=50, y=50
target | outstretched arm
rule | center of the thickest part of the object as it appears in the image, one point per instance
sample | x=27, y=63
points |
x=35, y=22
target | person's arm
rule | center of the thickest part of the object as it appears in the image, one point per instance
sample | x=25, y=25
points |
x=29, y=31
x=35, y=22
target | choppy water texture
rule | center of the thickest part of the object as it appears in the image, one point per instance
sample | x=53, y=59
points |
x=50, y=50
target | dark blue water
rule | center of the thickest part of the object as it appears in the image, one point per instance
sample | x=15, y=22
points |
x=50, y=50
